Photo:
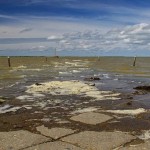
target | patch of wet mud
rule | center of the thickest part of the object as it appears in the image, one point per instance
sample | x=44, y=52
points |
x=128, y=124
x=18, y=120
x=59, y=114
x=134, y=142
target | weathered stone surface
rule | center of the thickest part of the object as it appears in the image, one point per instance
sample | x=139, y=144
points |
x=91, y=140
x=142, y=146
x=54, y=146
x=16, y=140
x=91, y=118
x=54, y=132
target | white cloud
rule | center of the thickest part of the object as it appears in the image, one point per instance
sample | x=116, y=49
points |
x=33, y=26
x=38, y=48
x=7, y=17
x=25, y=30
x=130, y=38
x=55, y=38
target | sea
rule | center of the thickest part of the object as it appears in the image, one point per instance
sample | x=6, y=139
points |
x=115, y=73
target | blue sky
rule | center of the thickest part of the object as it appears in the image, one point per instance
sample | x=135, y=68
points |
x=75, y=27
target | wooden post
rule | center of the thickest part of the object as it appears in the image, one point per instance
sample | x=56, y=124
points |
x=55, y=52
x=46, y=58
x=9, y=64
x=134, y=62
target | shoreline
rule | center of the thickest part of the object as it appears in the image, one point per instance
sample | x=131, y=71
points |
x=74, y=108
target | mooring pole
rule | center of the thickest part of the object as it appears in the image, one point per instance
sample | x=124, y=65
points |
x=134, y=62
x=9, y=64
x=55, y=52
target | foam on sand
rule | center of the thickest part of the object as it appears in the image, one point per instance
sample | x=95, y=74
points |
x=145, y=135
x=89, y=109
x=8, y=108
x=24, y=68
x=25, y=97
x=70, y=88
x=65, y=73
x=76, y=71
x=20, y=67
x=128, y=112
x=30, y=97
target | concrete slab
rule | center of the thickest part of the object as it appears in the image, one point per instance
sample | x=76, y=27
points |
x=91, y=118
x=54, y=146
x=142, y=146
x=98, y=140
x=16, y=140
x=54, y=132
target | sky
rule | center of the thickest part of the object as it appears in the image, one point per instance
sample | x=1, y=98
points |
x=75, y=27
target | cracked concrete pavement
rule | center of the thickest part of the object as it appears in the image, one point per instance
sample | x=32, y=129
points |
x=69, y=139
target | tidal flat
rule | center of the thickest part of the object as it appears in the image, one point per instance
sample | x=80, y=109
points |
x=68, y=101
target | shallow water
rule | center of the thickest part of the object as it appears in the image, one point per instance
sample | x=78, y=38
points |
x=108, y=64
x=115, y=72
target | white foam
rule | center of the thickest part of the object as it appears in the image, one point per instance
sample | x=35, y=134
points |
x=46, y=65
x=70, y=63
x=46, y=119
x=45, y=104
x=25, y=97
x=77, y=60
x=128, y=112
x=83, y=69
x=8, y=108
x=71, y=87
x=65, y=73
x=63, y=122
x=24, y=68
x=20, y=67
x=116, y=79
x=106, y=76
x=79, y=64
x=76, y=71
x=145, y=135
x=38, y=95
x=4, y=107
x=30, y=97
x=42, y=104
x=36, y=69
x=27, y=107
x=89, y=109
x=10, y=85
